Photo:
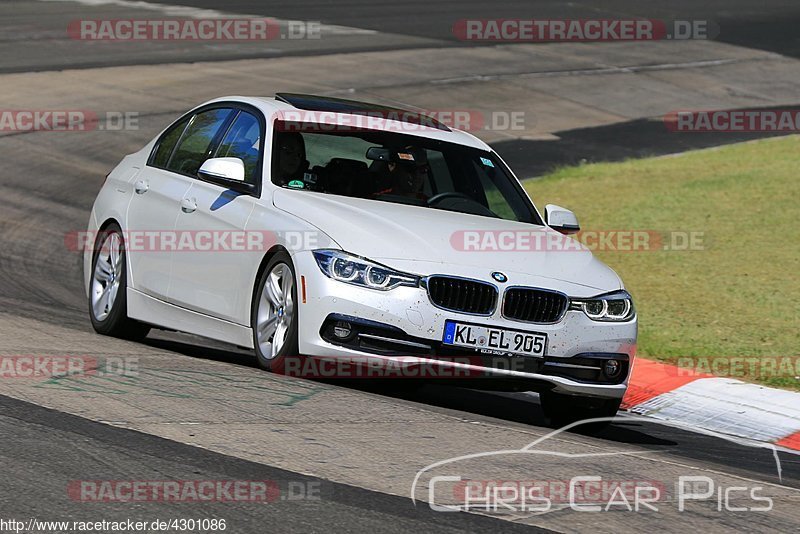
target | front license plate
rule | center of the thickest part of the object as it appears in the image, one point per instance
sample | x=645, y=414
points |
x=494, y=339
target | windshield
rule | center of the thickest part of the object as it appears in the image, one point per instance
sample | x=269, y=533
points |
x=399, y=168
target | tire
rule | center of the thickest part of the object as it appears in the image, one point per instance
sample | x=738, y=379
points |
x=562, y=410
x=270, y=303
x=108, y=303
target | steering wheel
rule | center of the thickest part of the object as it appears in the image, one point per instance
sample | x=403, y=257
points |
x=435, y=199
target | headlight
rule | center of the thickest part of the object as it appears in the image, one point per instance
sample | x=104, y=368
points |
x=351, y=269
x=617, y=306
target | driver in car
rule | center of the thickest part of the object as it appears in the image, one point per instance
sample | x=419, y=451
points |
x=292, y=163
x=406, y=175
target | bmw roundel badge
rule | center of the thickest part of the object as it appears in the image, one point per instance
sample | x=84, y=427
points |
x=500, y=277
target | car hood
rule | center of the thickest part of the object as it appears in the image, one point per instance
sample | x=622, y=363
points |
x=428, y=241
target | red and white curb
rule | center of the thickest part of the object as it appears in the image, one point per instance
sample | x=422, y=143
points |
x=723, y=405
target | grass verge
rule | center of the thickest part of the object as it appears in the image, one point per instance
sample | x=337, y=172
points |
x=736, y=293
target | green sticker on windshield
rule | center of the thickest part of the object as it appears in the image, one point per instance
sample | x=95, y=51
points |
x=487, y=162
x=297, y=184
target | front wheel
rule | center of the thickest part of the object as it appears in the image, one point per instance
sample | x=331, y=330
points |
x=563, y=410
x=274, y=315
x=108, y=308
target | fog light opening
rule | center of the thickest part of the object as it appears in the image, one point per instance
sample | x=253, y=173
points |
x=612, y=368
x=342, y=330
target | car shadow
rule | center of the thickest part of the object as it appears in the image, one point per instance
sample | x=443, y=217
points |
x=520, y=407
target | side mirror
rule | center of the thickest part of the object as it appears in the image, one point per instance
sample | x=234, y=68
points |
x=561, y=219
x=226, y=169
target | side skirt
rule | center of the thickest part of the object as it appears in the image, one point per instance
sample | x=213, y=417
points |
x=162, y=314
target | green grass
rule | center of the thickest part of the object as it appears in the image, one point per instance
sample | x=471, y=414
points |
x=740, y=294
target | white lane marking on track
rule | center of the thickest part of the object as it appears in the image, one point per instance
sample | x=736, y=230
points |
x=171, y=10
x=596, y=71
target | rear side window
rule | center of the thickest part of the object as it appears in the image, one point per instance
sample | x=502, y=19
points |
x=167, y=144
x=198, y=141
x=243, y=141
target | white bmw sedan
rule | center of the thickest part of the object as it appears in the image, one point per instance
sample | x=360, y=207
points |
x=318, y=229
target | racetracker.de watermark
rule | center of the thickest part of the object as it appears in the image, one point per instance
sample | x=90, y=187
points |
x=470, y=120
x=582, y=30
x=192, y=491
x=202, y=30
x=752, y=367
x=737, y=121
x=595, y=240
x=197, y=240
x=396, y=367
x=32, y=366
x=66, y=120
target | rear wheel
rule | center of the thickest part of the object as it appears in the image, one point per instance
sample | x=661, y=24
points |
x=274, y=315
x=563, y=410
x=108, y=307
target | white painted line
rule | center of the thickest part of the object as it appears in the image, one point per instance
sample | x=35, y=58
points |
x=595, y=71
x=200, y=13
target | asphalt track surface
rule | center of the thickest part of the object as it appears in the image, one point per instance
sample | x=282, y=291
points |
x=54, y=435
x=50, y=449
x=767, y=25
x=33, y=29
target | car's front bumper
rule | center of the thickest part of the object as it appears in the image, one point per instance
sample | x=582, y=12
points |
x=406, y=314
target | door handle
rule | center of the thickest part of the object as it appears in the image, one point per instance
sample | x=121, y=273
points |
x=188, y=205
x=141, y=187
